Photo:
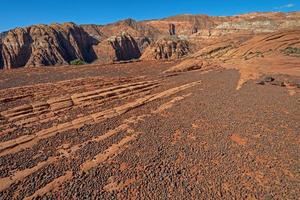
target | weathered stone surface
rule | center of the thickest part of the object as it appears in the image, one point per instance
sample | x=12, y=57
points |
x=126, y=47
x=16, y=48
x=117, y=48
x=58, y=44
x=2, y=35
x=142, y=33
x=143, y=43
x=1, y=60
x=195, y=29
x=167, y=48
x=94, y=31
x=172, y=29
x=211, y=26
x=42, y=45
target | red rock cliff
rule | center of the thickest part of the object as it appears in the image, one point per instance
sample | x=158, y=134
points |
x=43, y=45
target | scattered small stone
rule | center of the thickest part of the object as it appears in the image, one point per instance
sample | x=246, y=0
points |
x=260, y=82
x=268, y=79
x=278, y=83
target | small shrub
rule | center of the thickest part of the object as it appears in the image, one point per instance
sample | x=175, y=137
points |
x=293, y=51
x=123, y=33
x=112, y=39
x=77, y=62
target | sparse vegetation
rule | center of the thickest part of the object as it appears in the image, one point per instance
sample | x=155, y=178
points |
x=251, y=55
x=123, y=33
x=77, y=62
x=292, y=51
x=259, y=54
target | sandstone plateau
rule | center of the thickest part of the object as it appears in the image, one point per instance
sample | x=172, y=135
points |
x=186, y=107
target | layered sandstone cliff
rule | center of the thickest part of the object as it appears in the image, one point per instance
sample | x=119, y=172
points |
x=58, y=44
x=43, y=45
x=208, y=26
x=117, y=48
x=142, y=33
x=167, y=48
x=1, y=59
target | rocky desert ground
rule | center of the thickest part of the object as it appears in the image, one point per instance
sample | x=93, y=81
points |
x=187, y=107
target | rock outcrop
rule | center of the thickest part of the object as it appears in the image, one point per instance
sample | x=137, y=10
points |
x=58, y=44
x=43, y=45
x=94, y=31
x=195, y=29
x=2, y=35
x=211, y=26
x=1, y=60
x=117, y=48
x=143, y=43
x=16, y=48
x=172, y=29
x=142, y=33
x=132, y=27
x=269, y=53
x=167, y=48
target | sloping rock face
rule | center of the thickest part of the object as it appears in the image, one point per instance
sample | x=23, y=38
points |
x=126, y=47
x=142, y=33
x=43, y=45
x=172, y=29
x=143, y=43
x=118, y=48
x=266, y=45
x=130, y=26
x=1, y=60
x=167, y=48
x=2, y=35
x=183, y=24
x=267, y=53
x=16, y=48
x=58, y=44
x=94, y=31
x=210, y=26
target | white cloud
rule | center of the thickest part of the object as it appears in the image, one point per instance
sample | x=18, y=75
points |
x=290, y=5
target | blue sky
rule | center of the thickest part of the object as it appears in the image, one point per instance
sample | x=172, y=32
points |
x=26, y=12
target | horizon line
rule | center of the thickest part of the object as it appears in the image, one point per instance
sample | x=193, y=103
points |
x=141, y=20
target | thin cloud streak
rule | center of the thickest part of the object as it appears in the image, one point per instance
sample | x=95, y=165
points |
x=290, y=5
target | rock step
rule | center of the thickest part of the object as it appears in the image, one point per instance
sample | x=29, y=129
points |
x=112, y=91
x=58, y=104
x=27, y=141
x=48, y=117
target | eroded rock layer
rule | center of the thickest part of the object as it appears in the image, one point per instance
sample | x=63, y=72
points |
x=167, y=48
x=118, y=48
x=59, y=44
x=43, y=45
x=271, y=53
x=1, y=60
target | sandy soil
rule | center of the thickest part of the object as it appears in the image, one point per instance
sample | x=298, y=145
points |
x=130, y=131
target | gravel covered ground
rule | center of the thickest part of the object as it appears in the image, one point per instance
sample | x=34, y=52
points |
x=129, y=131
